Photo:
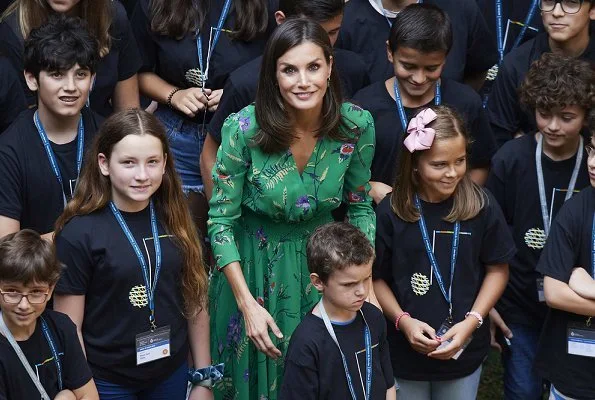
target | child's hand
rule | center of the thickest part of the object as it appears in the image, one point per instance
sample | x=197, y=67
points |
x=582, y=283
x=65, y=395
x=459, y=334
x=421, y=336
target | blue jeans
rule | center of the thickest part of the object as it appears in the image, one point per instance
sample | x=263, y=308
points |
x=460, y=389
x=186, y=139
x=172, y=388
x=520, y=382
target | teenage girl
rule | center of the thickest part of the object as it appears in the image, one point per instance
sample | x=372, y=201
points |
x=442, y=262
x=134, y=271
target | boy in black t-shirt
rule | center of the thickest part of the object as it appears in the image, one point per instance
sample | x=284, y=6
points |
x=339, y=350
x=41, y=153
x=531, y=177
x=46, y=339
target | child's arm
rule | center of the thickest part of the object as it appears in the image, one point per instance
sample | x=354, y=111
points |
x=560, y=296
x=85, y=392
x=199, y=336
x=391, y=394
x=74, y=307
x=582, y=283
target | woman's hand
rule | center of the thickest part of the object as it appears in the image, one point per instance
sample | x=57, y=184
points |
x=421, y=336
x=200, y=393
x=379, y=191
x=258, y=321
x=191, y=101
x=459, y=334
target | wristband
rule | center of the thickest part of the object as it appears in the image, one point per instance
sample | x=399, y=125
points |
x=477, y=316
x=206, y=376
x=171, y=95
x=399, y=319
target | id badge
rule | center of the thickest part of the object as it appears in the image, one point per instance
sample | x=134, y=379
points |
x=540, y=292
x=446, y=325
x=581, y=340
x=151, y=346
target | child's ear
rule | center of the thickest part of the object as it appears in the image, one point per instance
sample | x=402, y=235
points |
x=280, y=17
x=317, y=282
x=31, y=81
x=103, y=164
x=389, y=53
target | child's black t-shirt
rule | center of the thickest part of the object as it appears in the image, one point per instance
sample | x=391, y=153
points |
x=30, y=191
x=121, y=63
x=389, y=130
x=513, y=181
x=506, y=114
x=15, y=383
x=12, y=98
x=102, y=266
x=568, y=246
x=365, y=32
x=402, y=262
x=313, y=365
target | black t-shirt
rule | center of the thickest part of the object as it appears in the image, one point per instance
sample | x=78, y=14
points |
x=513, y=181
x=30, y=191
x=402, y=262
x=568, y=246
x=506, y=114
x=101, y=264
x=240, y=88
x=365, y=31
x=121, y=63
x=12, y=99
x=313, y=365
x=15, y=383
x=389, y=130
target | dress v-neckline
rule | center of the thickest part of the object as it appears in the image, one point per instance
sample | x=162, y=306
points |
x=312, y=154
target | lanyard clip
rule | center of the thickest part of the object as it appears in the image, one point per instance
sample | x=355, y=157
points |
x=450, y=319
x=588, y=323
x=152, y=320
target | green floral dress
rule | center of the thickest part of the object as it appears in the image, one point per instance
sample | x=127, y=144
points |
x=261, y=214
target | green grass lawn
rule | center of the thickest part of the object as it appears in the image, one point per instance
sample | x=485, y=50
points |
x=490, y=387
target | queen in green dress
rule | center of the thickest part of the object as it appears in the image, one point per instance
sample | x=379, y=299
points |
x=284, y=164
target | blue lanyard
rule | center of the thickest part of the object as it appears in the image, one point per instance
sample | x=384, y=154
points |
x=141, y=259
x=401, y=109
x=499, y=27
x=368, y=343
x=386, y=16
x=222, y=18
x=48, y=337
x=432, y=257
x=50, y=153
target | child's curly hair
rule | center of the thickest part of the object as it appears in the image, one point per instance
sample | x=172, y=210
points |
x=556, y=81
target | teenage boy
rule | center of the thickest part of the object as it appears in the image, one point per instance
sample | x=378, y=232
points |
x=367, y=24
x=41, y=153
x=47, y=339
x=420, y=40
x=531, y=177
x=339, y=350
x=566, y=24
x=240, y=88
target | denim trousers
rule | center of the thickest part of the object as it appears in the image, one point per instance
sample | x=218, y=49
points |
x=460, y=389
x=520, y=381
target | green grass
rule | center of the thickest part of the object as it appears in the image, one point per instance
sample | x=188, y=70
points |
x=490, y=387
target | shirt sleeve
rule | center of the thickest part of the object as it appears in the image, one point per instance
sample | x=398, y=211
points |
x=129, y=60
x=503, y=108
x=11, y=182
x=387, y=367
x=300, y=378
x=382, y=268
x=229, y=173
x=497, y=245
x=76, y=370
x=482, y=53
x=496, y=184
x=142, y=34
x=74, y=254
x=357, y=178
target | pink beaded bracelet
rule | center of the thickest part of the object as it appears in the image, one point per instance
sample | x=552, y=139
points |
x=399, y=318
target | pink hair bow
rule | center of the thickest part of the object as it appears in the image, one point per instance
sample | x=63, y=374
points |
x=420, y=137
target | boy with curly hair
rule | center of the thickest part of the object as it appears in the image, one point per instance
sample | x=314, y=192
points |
x=531, y=177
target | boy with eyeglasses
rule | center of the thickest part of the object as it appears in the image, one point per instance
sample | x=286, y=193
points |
x=40, y=353
x=566, y=24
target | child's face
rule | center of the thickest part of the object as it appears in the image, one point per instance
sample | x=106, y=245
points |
x=441, y=168
x=61, y=93
x=332, y=27
x=560, y=127
x=23, y=314
x=135, y=169
x=563, y=27
x=347, y=289
x=416, y=72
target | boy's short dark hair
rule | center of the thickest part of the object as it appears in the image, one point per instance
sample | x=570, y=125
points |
x=318, y=10
x=26, y=257
x=422, y=27
x=556, y=81
x=336, y=246
x=60, y=44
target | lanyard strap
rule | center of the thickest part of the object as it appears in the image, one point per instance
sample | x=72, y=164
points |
x=52, y=157
x=48, y=337
x=367, y=341
x=500, y=28
x=401, y=109
x=13, y=343
x=213, y=43
x=547, y=218
x=432, y=257
x=141, y=259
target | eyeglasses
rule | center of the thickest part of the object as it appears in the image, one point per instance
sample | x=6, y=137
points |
x=590, y=150
x=32, y=297
x=568, y=6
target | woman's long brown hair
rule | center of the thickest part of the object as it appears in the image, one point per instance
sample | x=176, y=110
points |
x=93, y=192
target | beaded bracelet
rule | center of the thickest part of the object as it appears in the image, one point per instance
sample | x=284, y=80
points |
x=477, y=316
x=206, y=376
x=171, y=95
x=399, y=318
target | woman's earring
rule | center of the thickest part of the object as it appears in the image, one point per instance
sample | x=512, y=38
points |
x=328, y=81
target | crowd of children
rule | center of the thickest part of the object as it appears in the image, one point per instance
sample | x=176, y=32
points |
x=296, y=199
